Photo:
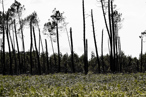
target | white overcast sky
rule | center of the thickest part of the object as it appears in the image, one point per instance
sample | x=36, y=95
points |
x=133, y=12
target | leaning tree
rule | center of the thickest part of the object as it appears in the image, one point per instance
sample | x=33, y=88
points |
x=57, y=18
x=17, y=9
x=32, y=20
x=112, y=23
x=92, y=19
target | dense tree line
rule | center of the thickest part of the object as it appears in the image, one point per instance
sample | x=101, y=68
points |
x=47, y=64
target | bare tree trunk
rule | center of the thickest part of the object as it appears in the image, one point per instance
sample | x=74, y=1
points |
x=4, y=62
x=84, y=33
x=47, y=56
x=11, y=71
x=39, y=40
x=120, y=62
x=95, y=42
x=72, y=52
x=113, y=31
x=86, y=56
x=1, y=61
x=141, y=53
x=39, y=66
x=84, y=37
x=43, y=62
x=41, y=45
x=53, y=50
x=20, y=68
x=116, y=55
x=105, y=18
x=31, y=45
x=50, y=65
x=13, y=38
x=110, y=36
x=58, y=48
x=23, y=44
x=102, y=52
x=14, y=54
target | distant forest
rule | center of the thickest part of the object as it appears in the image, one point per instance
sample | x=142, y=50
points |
x=38, y=61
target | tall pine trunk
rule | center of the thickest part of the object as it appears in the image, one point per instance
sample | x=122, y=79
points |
x=47, y=56
x=113, y=38
x=31, y=45
x=50, y=65
x=72, y=52
x=39, y=40
x=84, y=37
x=86, y=56
x=3, y=58
x=13, y=37
x=38, y=59
x=95, y=42
x=20, y=68
x=14, y=54
x=23, y=44
x=7, y=30
x=141, y=63
x=53, y=50
x=102, y=52
x=58, y=48
x=41, y=45
x=4, y=62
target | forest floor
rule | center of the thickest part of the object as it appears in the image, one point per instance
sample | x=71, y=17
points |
x=74, y=85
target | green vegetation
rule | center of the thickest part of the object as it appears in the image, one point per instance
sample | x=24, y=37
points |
x=74, y=85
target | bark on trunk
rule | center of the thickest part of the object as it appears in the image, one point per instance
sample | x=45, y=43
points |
x=53, y=50
x=102, y=52
x=14, y=54
x=11, y=71
x=38, y=59
x=72, y=52
x=47, y=56
x=95, y=42
x=20, y=68
x=84, y=37
x=31, y=45
x=4, y=63
x=58, y=48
